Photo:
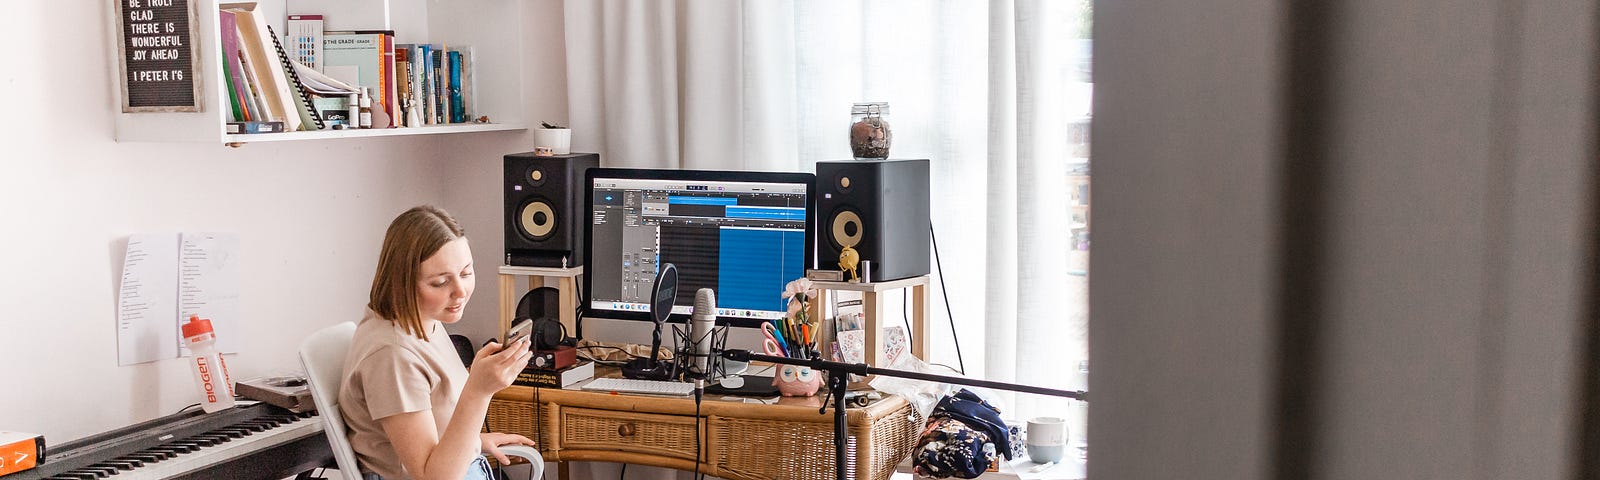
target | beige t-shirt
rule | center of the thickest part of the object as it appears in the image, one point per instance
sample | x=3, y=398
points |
x=389, y=372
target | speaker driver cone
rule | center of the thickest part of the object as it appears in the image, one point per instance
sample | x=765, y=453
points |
x=846, y=228
x=537, y=220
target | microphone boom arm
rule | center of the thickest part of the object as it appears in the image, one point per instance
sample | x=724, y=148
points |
x=865, y=370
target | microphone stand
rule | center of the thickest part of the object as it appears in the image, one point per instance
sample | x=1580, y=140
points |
x=839, y=378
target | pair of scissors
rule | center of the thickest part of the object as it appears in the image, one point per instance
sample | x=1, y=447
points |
x=772, y=341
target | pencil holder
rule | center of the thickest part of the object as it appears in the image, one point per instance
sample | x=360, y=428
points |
x=797, y=381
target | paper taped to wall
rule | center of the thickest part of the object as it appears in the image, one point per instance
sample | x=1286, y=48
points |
x=165, y=278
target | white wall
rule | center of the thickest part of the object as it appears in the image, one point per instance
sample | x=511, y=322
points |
x=310, y=216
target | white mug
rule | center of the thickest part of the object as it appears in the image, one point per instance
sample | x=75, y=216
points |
x=1047, y=438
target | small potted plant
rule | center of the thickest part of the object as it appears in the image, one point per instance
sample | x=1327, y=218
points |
x=552, y=139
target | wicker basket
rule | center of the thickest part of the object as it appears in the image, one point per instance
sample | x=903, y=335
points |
x=741, y=440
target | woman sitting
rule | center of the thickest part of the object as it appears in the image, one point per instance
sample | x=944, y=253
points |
x=413, y=411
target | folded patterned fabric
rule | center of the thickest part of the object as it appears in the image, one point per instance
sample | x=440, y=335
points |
x=961, y=437
x=949, y=448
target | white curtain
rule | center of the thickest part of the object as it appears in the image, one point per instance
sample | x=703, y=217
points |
x=990, y=92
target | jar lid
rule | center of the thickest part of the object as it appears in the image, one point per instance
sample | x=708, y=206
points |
x=881, y=108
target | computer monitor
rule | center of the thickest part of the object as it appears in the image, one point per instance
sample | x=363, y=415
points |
x=742, y=234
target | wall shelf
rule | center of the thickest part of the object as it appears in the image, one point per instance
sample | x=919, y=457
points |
x=492, y=28
x=374, y=132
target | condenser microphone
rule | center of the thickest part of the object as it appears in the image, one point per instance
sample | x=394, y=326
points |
x=701, y=322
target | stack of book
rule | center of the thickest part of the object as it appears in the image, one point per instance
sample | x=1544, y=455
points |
x=305, y=79
x=563, y=378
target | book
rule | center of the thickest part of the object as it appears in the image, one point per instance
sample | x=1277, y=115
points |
x=257, y=105
x=467, y=84
x=304, y=38
x=358, y=58
x=386, y=98
x=458, y=110
x=441, y=83
x=302, y=101
x=566, y=377
x=20, y=451
x=402, y=82
x=235, y=111
x=255, y=127
x=257, y=43
x=317, y=83
x=424, y=74
x=238, y=92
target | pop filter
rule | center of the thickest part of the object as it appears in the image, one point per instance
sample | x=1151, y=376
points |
x=662, y=298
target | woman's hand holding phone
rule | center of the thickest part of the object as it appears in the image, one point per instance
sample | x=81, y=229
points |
x=496, y=365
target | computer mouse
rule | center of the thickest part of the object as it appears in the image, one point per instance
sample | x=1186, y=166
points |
x=736, y=381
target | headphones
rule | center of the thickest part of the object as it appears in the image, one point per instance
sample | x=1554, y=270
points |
x=542, y=306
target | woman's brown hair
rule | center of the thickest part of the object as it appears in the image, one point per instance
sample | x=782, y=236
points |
x=413, y=237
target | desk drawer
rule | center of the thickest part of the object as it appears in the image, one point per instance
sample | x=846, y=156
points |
x=648, y=433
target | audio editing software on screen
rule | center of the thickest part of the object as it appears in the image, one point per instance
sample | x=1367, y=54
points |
x=744, y=240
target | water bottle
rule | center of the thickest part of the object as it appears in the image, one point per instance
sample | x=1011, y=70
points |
x=210, y=371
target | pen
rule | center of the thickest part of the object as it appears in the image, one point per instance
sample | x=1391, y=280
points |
x=782, y=343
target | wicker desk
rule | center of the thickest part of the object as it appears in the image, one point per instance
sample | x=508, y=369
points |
x=787, y=440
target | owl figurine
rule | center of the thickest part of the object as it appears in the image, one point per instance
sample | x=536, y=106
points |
x=848, y=260
x=797, y=381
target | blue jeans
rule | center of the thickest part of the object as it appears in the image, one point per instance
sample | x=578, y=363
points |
x=479, y=470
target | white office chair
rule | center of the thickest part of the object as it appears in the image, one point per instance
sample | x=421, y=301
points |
x=322, y=355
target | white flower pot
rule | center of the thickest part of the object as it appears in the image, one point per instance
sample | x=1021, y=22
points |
x=558, y=140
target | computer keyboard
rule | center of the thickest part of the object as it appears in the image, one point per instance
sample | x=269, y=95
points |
x=632, y=385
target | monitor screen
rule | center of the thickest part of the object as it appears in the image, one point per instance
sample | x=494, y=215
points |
x=742, y=234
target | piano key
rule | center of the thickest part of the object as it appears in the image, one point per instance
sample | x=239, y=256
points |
x=115, y=465
x=145, y=457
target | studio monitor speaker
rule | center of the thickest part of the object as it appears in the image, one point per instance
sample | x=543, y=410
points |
x=544, y=196
x=879, y=208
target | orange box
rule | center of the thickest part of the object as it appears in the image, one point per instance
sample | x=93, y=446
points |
x=20, y=451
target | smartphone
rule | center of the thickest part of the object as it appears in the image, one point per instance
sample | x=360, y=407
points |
x=519, y=330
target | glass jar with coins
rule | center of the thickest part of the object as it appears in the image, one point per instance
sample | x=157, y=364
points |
x=869, y=130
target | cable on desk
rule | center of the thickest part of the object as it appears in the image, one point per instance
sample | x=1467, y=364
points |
x=590, y=357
